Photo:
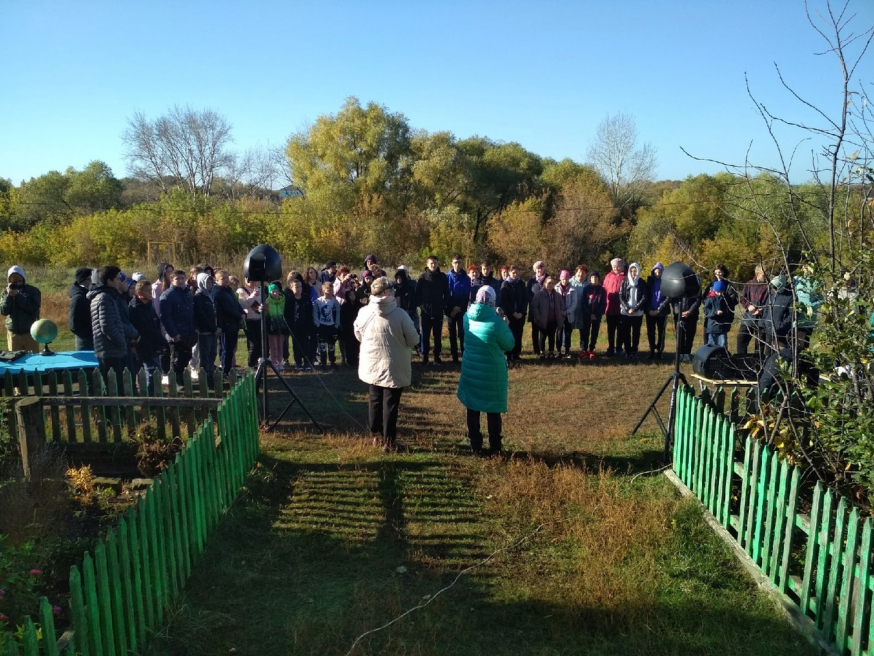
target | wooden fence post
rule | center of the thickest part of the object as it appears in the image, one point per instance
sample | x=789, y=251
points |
x=31, y=431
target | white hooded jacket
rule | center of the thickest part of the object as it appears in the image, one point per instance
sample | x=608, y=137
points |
x=387, y=337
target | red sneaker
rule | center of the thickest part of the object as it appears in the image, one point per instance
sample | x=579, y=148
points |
x=584, y=353
x=591, y=355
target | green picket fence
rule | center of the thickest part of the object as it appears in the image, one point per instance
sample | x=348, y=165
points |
x=121, y=592
x=821, y=560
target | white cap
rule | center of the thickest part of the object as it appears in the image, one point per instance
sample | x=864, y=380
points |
x=137, y=276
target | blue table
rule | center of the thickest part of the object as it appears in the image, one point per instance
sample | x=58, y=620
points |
x=61, y=361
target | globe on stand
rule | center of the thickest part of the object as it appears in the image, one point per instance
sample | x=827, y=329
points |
x=44, y=331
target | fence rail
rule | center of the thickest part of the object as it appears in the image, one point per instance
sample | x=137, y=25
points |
x=121, y=592
x=821, y=560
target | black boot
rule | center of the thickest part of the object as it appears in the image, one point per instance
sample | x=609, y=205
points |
x=476, y=444
x=495, y=445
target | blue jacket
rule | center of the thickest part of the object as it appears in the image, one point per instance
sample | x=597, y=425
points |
x=459, y=290
x=177, y=312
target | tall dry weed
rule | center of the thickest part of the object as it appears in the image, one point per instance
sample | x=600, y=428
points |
x=600, y=544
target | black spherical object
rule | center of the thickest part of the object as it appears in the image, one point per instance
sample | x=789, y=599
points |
x=680, y=281
x=263, y=264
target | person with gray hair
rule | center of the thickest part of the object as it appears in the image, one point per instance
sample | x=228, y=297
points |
x=387, y=337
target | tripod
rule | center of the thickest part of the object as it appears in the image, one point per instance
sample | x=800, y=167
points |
x=266, y=365
x=673, y=382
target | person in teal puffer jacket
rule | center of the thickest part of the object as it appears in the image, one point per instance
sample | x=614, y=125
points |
x=483, y=383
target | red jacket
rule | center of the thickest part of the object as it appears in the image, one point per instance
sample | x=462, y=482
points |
x=612, y=283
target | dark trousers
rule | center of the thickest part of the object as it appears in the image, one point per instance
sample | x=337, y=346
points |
x=687, y=338
x=84, y=344
x=299, y=344
x=517, y=327
x=589, y=334
x=383, y=406
x=749, y=331
x=118, y=365
x=229, y=348
x=655, y=332
x=547, y=337
x=253, y=342
x=456, y=334
x=206, y=344
x=629, y=333
x=535, y=338
x=180, y=355
x=327, y=344
x=495, y=425
x=165, y=362
x=432, y=327
x=613, y=321
x=563, y=338
x=352, y=350
x=803, y=338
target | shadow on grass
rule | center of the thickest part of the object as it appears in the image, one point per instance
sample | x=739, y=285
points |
x=313, y=555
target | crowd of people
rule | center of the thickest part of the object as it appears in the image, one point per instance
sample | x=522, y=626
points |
x=378, y=324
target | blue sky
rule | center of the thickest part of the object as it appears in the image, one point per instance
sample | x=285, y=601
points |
x=543, y=74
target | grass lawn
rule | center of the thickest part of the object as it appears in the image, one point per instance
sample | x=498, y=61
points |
x=331, y=538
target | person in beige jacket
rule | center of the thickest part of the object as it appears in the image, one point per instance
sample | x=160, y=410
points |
x=387, y=337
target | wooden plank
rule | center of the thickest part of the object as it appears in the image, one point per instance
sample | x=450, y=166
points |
x=84, y=410
x=848, y=565
x=124, y=401
x=92, y=605
x=31, y=431
x=679, y=434
x=745, y=477
x=125, y=562
x=188, y=411
x=143, y=392
x=54, y=413
x=99, y=413
x=129, y=391
x=827, y=599
x=23, y=384
x=862, y=598
x=777, y=532
x=9, y=393
x=31, y=642
x=789, y=531
x=173, y=393
x=761, y=500
x=147, y=565
x=114, y=570
x=771, y=512
x=160, y=413
x=47, y=625
x=812, y=548
x=70, y=412
x=113, y=415
x=80, y=617
x=104, y=598
x=730, y=439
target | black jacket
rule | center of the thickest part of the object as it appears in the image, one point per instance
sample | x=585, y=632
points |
x=514, y=298
x=79, y=315
x=299, y=313
x=148, y=325
x=778, y=315
x=177, y=312
x=730, y=294
x=112, y=334
x=405, y=294
x=228, y=311
x=642, y=296
x=204, y=313
x=690, y=305
x=432, y=293
x=714, y=323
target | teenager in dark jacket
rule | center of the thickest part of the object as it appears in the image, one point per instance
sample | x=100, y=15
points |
x=476, y=282
x=177, y=317
x=753, y=300
x=141, y=312
x=459, y=299
x=229, y=316
x=329, y=273
x=79, y=316
x=432, y=299
x=302, y=322
x=721, y=272
x=112, y=335
x=353, y=297
x=718, y=317
x=205, y=324
x=487, y=278
x=590, y=309
x=633, y=304
x=514, y=303
x=658, y=307
x=405, y=295
x=686, y=320
x=534, y=285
